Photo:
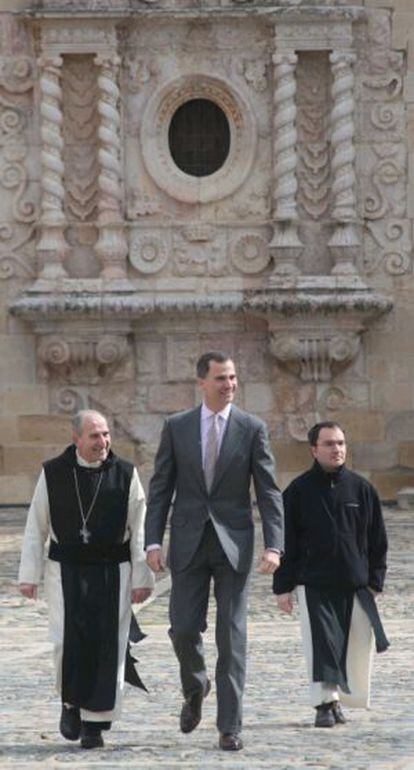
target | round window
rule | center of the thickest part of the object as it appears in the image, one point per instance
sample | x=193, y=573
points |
x=199, y=137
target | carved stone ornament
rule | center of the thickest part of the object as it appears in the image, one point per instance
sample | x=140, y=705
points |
x=314, y=354
x=250, y=253
x=80, y=356
x=316, y=322
x=148, y=253
x=154, y=138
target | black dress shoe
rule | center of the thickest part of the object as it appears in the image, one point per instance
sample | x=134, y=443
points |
x=230, y=742
x=339, y=715
x=91, y=736
x=70, y=723
x=324, y=715
x=191, y=711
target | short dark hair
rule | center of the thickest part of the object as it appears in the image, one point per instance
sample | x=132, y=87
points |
x=314, y=432
x=203, y=363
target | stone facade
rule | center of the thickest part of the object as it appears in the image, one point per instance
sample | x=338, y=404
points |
x=118, y=268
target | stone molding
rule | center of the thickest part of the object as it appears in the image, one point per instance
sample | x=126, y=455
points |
x=81, y=354
x=154, y=138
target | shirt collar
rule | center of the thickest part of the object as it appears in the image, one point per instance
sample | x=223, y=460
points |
x=85, y=464
x=206, y=412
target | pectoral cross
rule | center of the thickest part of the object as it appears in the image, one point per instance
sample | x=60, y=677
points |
x=85, y=534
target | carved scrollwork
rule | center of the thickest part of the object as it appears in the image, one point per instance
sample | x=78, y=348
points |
x=80, y=358
x=314, y=355
x=16, y=253
x=386, y=193
x=16, y=74
x=250, y=253
x=389, y=243
x=69, y=401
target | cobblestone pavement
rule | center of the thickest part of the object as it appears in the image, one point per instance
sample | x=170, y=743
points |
x=278, y=731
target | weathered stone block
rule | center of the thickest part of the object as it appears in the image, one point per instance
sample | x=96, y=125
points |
x=26, y=399
x=374, y=456
x=17, y=359
x=258, y=397
x=23, y=459
x=16, y=489
x=406, y=454
x=170, y=398
x=361, y=425
x=400, y=427
x=9, y=429
x=292, y=456
x=50, y=429
x=405, y=498
x=388, y=483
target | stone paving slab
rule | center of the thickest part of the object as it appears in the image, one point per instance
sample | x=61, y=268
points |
x=278, y=731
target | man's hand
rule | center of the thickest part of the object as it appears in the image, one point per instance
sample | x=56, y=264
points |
x=155, y=560
x=29, y=590
x=269, y=562
x=139, y=595
x=285, y=602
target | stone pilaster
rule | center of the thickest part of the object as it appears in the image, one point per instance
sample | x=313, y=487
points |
x=111, y=246
x=344, y=242
x=285, y=246
x=52, y=247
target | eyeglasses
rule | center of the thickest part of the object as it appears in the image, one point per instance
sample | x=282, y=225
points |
x=330, y=444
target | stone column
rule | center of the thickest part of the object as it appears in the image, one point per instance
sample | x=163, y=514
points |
x=52, y=246
x=344, y=242
x=285, y=246
x=111, y=247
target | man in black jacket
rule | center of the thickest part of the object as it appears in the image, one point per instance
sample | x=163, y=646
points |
x=335, y=559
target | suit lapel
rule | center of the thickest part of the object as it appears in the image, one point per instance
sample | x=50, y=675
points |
x=193, y=441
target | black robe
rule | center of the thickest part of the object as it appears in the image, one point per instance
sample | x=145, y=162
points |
x=335, y=545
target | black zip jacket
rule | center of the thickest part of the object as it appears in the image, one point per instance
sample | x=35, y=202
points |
x=335, y=533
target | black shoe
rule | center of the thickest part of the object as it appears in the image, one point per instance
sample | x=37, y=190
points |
x=191, y=711
x=324, y=715
x=230, y=742
x=339, y=715
x=91, y=736
x=70, y=723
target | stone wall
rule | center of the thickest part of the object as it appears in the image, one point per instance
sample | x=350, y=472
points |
x=117, y=269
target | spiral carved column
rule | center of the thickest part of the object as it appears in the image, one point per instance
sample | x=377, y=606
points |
x=285, y=246
x=344, y=242
x=52, y=246
x=111, y=246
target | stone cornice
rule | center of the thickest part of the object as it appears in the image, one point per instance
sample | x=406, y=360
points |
x=327, y=296
x=301, y=14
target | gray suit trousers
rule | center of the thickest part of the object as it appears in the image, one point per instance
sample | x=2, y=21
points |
x=188, y=617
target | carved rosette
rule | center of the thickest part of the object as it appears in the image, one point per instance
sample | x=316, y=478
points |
x=111, y=247
x=52, y=247
x=250, y=253
x=285, y=246
x=314, y=355
x=80, y=357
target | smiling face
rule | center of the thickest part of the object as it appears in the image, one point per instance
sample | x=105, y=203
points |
x=94, y=441
x=219, y=385
x=330, y=449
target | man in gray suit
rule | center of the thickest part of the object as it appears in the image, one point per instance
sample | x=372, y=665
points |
x=204, y=465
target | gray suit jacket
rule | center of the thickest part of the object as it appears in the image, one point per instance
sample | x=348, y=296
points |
x=179, y=479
